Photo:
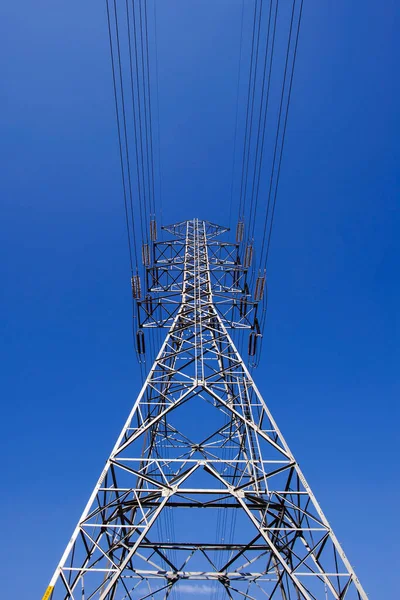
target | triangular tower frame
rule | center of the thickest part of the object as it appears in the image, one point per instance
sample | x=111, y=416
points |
x=200, y=440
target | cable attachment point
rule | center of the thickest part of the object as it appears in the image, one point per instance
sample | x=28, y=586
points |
x=148, y=304
x=153, y=230
x=248, y=256
x=243, y=306
x=253, y=337
x=244, y=301
x=260, y=285
x=146, y=255
x=152, y=276
x=140, y=343
x=239, y=231
x=236, y=277
x=136, y=287
x=252, y=344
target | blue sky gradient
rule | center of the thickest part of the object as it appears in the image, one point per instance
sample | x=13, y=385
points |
x=329, y=370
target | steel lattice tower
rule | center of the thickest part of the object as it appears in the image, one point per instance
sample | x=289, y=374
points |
x=200, y=441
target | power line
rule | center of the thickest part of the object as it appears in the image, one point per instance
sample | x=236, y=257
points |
x=252, y=107
x=236, y=115
x=265, y=299
x=150, y=111
x=144, y=234
x=263, y=261
x=147, y=208
x=134, y=117
x=124, y=122
x=284, y=131
x=247, y=110
x=158, y=113
x=134, y=253
x=257, y=167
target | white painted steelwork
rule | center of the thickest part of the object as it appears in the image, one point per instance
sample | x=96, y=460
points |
x=201, y=440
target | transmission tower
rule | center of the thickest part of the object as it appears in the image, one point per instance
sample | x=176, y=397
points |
x=201, y=448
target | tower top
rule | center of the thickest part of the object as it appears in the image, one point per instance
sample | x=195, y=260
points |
x=211, y=229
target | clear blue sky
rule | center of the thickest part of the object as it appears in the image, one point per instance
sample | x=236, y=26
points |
x=331, y=353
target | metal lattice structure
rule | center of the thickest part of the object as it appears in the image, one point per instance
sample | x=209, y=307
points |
x=200, y=444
